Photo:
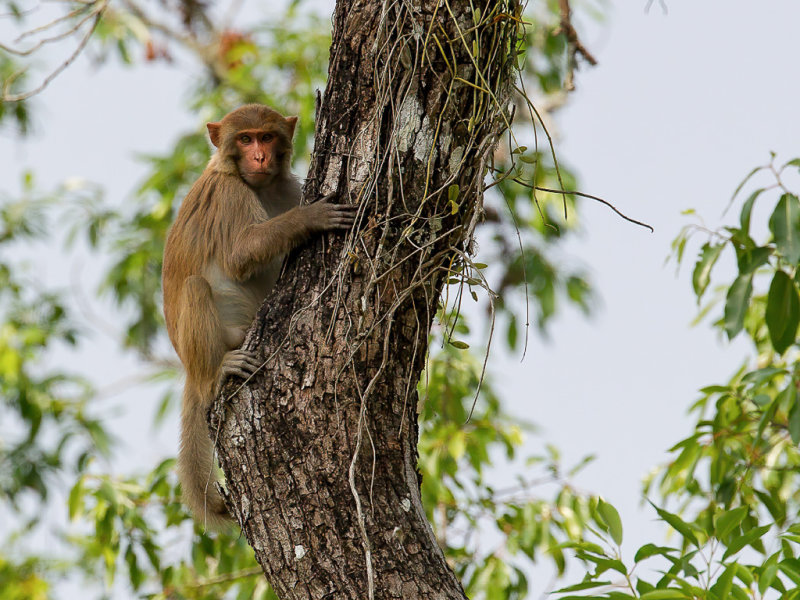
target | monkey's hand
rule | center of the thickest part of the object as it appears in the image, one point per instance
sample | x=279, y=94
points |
x=240, y=363
x=325, y=216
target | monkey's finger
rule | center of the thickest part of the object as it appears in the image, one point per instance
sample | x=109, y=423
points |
x=244, y=364
x=241, y=360
x=255, y=362
x=343, y=218
x=348, y=212
x=248, y=357
x=251, y=365
x=239, y=355
x=236, y=365
x=233, y=371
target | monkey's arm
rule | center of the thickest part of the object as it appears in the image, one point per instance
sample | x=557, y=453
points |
x=259, y=244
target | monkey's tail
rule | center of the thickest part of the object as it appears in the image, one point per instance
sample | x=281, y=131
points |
x=196, y=464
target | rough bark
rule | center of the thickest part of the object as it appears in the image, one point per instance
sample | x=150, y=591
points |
x=319, y=449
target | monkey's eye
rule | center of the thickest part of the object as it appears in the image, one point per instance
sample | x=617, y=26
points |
x=245, y=139
x=267, y=137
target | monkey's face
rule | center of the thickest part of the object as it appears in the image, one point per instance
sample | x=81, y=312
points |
x=257, y=140
x=260, y=154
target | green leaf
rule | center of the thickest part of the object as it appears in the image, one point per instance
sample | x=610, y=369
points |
x=744, y=574
x=668, y=594
x=747, y=209
x=457, y=445
x=649, y=550
x=785, y=227
x=722, y=587
x=459, y=344
x=728, y=521
x=604, y=564
x=736, y=303
x=585, y=546
x=794, y=420
x=678, y=524
x=767, y=577
x=772, y=501
x=452, y=196
x=749, y=260
x=611, y=518
x=795, y=162
x=75, y=501
x=702, y=268
x=748, y=538
x=135, y=573
x=791, y=568
x=585, y=585
x=783, y=312
x=511, y=333
x=743, y=182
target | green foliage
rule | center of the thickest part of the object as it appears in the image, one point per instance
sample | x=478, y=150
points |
x=22, y=580
x=736, y=478
x=127, y=520
x=55, y=431
x=17, y=113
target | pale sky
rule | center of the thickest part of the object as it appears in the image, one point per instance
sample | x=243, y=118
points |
x=680, y=108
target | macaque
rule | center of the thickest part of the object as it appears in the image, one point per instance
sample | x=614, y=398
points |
x=223, y=255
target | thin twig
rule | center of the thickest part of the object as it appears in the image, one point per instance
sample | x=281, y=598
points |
x=25, y=95
x=661, y=3
x=572, y=36
x=582, y=195
x=55, y=38
x=21, y=13
x=51, y=24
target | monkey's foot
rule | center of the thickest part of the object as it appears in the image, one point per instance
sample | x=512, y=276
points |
x=239, y=363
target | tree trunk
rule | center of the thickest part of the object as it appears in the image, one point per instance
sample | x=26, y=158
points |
x=320, y=448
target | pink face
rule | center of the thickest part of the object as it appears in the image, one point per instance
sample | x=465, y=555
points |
x=257, y=149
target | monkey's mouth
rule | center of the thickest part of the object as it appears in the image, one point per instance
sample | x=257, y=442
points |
x=257, y=175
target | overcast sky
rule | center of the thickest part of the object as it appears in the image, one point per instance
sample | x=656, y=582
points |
x=679, y=109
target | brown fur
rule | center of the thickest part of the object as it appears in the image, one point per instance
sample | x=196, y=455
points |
x=222, y=256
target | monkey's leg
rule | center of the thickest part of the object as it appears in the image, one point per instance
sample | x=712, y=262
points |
x=210, y=349
x=200, y=334
x=234, y=336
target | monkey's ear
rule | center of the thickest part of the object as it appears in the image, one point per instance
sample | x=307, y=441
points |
x=291, y=122
x=213, y=133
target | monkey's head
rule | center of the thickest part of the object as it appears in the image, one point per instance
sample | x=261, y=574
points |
x=255, y=142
